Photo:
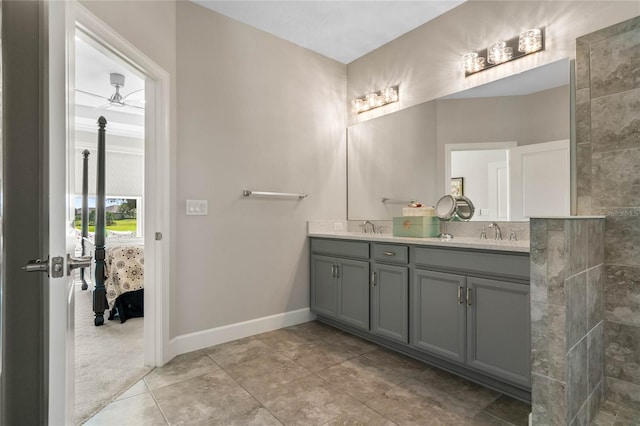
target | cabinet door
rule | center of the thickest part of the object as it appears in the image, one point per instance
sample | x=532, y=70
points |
x=498, y=329
x=438, y=314
x=390, y=304
x=324, y=286
x=353, y=288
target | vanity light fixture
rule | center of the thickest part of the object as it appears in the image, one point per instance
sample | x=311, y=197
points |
x=528, y=42
x=375, y=100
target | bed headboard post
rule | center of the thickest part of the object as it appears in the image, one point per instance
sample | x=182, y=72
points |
x=99, y=294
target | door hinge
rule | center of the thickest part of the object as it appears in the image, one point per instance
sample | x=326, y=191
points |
x=158, y=236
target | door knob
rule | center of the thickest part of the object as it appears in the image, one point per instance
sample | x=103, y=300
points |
x=77, y=262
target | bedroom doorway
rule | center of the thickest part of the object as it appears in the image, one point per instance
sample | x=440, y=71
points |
x=106, y=86
x=132, y=93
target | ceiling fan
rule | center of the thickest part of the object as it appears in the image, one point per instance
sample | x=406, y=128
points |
x=117, y=81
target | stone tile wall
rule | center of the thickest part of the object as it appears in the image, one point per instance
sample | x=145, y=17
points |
x=567, y=322
x=608, y=160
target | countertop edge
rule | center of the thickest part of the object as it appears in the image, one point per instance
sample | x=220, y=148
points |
x=461, y=242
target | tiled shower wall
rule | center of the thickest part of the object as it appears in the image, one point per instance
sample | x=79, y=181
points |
x=566, y=320
x=608, y=160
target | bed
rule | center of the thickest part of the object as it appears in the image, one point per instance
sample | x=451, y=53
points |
x=124, y=281
x=118, y=270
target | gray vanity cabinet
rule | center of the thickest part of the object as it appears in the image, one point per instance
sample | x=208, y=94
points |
x=324, y=286
x=340, y=281
x=461, y=309
x=438, y=320
x=472, y=317
x=498, y=324
x=390, y=292
x=353, y=292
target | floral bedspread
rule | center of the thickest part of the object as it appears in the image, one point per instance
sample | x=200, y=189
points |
x=124, y=270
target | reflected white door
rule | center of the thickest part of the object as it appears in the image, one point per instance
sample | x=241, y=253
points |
x=498, y=177
x=61, y=236
x=540, y=180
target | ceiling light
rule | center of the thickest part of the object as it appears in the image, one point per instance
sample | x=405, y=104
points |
x=375, y=100
x=471, y=63
x=499, y=52
x=528, y=42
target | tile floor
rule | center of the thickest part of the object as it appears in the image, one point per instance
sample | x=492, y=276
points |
x=612, y=414
x=308, y=374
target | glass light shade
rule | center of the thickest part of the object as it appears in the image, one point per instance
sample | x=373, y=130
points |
x=389, y=95
x=468, y=61
x=530, y=41
x=358, y=105
x=371, y=100
x=498, y=53
x=478, y=64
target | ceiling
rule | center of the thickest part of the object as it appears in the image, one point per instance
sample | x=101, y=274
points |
x=341, y=30
x=92, y=75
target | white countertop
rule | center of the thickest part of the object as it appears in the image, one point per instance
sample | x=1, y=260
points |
x=460, y=242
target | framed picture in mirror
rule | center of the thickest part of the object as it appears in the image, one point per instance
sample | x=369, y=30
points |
x=457, y=186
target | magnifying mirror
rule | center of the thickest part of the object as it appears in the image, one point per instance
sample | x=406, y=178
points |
x=446, y=207
x=464, y=208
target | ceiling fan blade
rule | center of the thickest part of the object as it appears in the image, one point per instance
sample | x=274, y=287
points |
x=135, y=91
x=92, y=94
x=133, y=106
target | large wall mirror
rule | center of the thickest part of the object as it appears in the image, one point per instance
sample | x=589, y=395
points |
x=505, y=145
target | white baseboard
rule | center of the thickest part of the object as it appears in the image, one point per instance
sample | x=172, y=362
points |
x=214, y=336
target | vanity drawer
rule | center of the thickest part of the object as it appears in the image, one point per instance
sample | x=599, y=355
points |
x=340, y=248
x=391, y=253
x=468, y=262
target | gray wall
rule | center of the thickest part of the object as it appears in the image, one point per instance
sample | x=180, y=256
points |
x=608, y=137
x=260, y=113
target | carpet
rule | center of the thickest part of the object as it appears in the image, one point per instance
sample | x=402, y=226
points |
x=109, y=358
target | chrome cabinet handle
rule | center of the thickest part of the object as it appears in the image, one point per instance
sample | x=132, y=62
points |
x=333, y=271
x=468, y=297
x=459, y=295
x=389, y=253
x=373, y=279
x=337, y=271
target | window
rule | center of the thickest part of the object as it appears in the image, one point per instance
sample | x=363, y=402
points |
x=123, y=216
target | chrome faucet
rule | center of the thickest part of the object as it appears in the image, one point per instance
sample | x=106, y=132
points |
x=498, y=232
x=364, y=227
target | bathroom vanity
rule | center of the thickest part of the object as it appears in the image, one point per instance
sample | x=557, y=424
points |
x=461, y=305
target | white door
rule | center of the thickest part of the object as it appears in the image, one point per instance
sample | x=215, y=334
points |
x=498, y=191
x=539, y=180
x=61, y=235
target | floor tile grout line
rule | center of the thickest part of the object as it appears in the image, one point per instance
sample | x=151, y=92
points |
x=164, y=416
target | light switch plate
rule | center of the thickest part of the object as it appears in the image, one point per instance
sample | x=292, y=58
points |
x=484, y=212
x=338, y=226
x=197, y=207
